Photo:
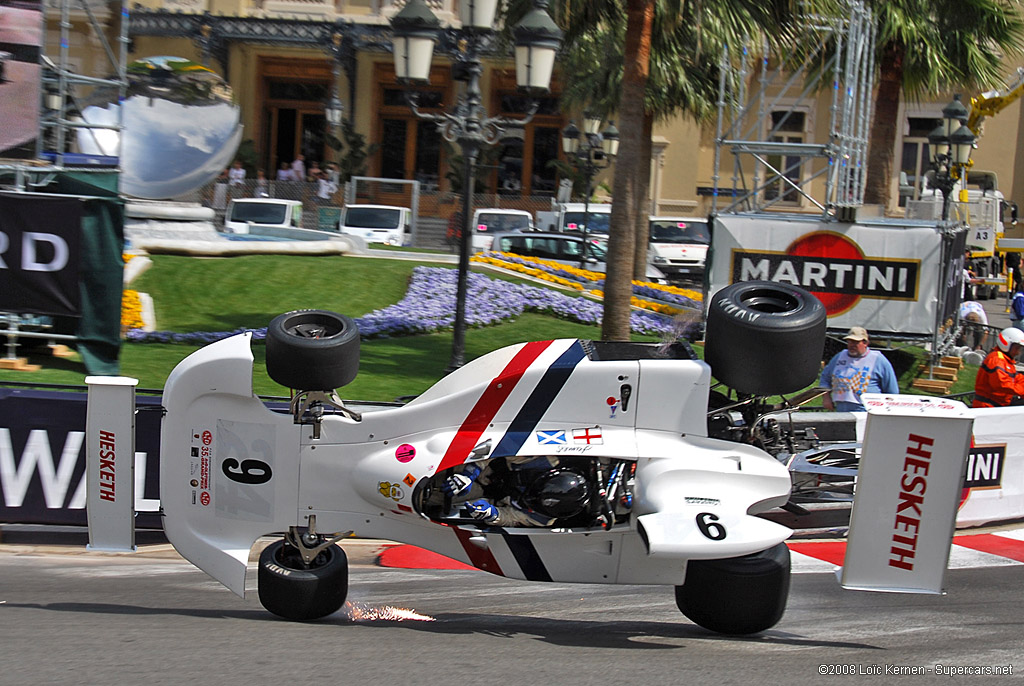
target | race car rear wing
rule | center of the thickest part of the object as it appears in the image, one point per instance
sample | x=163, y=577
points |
x=110, y=462
x=909, y=482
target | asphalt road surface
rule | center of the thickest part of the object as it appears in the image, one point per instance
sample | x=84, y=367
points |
x=114, y=619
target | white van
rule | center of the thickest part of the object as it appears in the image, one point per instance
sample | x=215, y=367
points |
x=377, y=223
x=494, y=220
x=274, y=212
x=594, y=218
x=678, y=246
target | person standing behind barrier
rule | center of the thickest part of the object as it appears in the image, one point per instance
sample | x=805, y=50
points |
x=261, y=184
x=299, y=167
x=236, y=179
x=998, y=383
x=855, y=371
x=285, y=173
x=1017, y=307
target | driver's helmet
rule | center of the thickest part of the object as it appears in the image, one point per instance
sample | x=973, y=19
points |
x=558, y=493
x=1008, y=337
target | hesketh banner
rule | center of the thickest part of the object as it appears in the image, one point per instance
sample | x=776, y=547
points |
x=884, y=277
x=40, y=254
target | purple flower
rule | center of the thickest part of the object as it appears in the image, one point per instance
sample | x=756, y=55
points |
x=429, y=306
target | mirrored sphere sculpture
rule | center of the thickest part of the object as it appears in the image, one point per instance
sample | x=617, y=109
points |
x=181, y=127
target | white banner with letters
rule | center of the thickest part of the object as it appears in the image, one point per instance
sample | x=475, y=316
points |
x=884, y=277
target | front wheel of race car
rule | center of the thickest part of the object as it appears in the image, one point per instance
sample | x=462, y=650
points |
x=290, y=589
x=312, y=350
x=737, y=595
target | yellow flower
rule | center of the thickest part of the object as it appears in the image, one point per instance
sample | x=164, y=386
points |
x=131, y=311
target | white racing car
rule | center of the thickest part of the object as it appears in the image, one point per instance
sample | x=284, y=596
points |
x=565, y=460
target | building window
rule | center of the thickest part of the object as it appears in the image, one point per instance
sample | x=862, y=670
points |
x=524, y=162
x=915, y=162
x=410, y=148
x=788, y=126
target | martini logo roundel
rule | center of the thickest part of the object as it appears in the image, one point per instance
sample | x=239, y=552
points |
x=825, y=245
x=832, y=267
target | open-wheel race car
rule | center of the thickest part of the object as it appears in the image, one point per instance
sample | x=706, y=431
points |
x=564, y=460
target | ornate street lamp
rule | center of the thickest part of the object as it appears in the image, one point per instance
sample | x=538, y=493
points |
x=334, y=110
x=950, y=146
x=590, y=152
x=537, y=39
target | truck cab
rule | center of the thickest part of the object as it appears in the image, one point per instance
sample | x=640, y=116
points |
x=490, y=221
x=678, y=246
x=387, y=224
x=243, y=213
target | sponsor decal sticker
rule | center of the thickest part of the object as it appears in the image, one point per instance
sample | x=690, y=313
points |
x=613, y=404
x=589, y=436
x=404, y=453
x=390, y=490
x=205, y=498
x=551, y=437
x=409, y=480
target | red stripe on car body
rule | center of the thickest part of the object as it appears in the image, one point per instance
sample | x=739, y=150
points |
x=494, y=396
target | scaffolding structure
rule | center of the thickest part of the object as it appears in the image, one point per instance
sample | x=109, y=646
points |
x=840, y=50
x=61, y=91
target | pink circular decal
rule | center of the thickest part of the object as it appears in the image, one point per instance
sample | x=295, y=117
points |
x=405, y=453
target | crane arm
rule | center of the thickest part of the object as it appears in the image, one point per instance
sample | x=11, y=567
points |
x=994, y=102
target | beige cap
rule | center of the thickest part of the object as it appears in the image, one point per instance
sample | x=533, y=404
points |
x=856, y=333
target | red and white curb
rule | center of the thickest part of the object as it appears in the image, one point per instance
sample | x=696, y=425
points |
x=997, y=549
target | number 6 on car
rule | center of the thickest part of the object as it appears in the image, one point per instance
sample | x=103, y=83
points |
x=593, y=462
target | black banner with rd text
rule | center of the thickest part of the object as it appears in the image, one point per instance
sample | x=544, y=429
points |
x=40, y=254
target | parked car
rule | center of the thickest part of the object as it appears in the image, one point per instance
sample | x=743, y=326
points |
x=377, y=223
x=488, y=222
x=564, y=248
x=678, y=246
x=275, y=212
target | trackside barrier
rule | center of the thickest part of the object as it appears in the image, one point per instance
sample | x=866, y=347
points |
x=110, y=462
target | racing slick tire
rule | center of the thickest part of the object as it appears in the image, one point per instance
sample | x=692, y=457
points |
x=289, y=589
x=765, y=338
x=737, y=595
x=312, y=350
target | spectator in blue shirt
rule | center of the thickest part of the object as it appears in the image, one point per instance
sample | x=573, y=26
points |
x=855, y=371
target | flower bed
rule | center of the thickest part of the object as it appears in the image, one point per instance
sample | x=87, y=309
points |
x=653, y=296
x=429, y=306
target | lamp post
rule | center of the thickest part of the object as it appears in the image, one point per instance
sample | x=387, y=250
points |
x=950, y=146
x=334, y=110
x=416, y=30
x=590, y=152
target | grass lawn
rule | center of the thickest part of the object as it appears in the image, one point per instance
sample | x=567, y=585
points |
x=225, y=294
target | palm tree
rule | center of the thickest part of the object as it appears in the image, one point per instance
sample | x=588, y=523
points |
x=667, y=62
x=926, y=48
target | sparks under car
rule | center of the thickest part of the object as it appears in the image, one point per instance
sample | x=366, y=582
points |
x=645, y=494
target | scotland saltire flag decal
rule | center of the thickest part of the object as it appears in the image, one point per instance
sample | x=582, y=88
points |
x=551, y=437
